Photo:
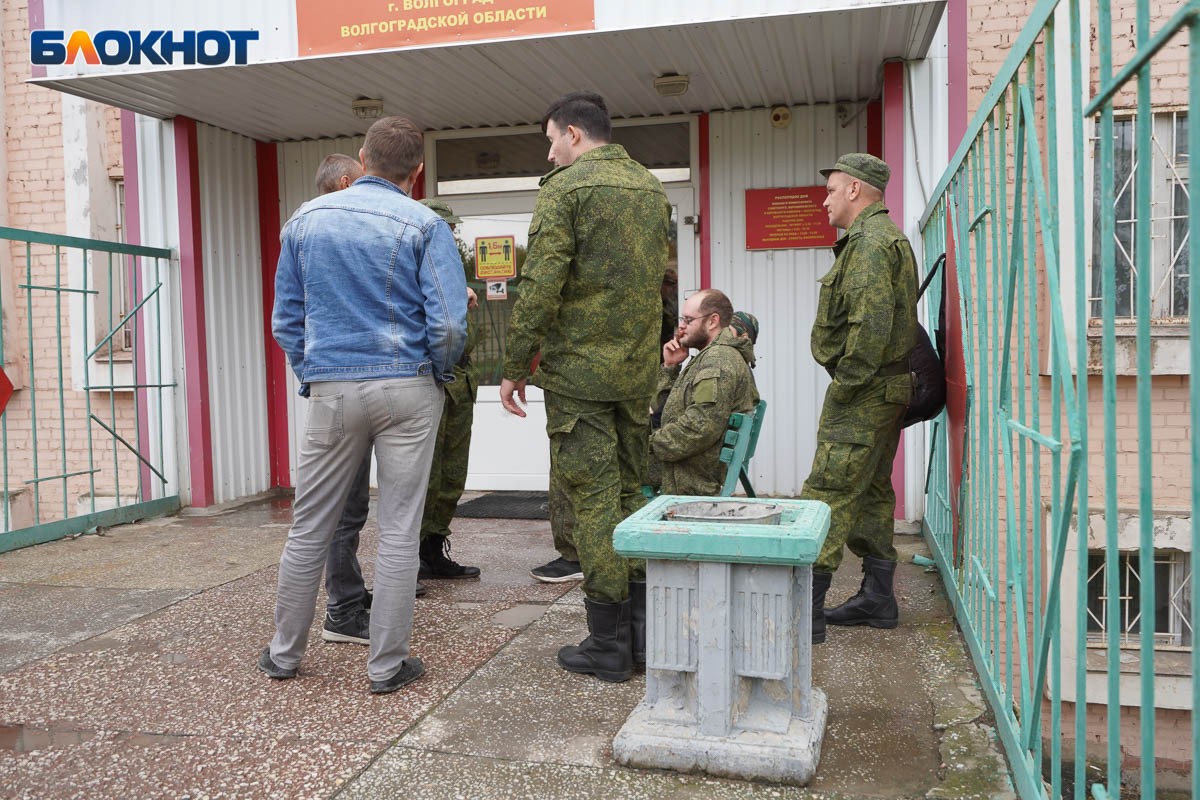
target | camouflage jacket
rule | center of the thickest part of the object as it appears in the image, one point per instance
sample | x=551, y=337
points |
x=716, y=383
x=866, y=320
x=590, y=288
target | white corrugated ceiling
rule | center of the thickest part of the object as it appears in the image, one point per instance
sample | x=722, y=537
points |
x=735, y=64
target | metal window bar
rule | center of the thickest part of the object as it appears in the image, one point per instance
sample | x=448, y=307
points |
x=83, y=418
x=1002, y=522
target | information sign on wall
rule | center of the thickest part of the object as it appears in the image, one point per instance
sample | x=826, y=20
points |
x=495, y=257
x=349, y=26
x=787, y=218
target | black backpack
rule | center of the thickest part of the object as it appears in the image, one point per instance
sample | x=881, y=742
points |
x=927, y=364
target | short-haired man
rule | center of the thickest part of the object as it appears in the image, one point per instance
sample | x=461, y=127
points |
x=590, y=300
x=371, y=310
x=347, y=609
x=336, y=172
x=866, y=325
x=699, y=399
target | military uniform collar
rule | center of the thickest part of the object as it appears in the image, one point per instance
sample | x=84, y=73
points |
x=602, y=153
x=875, y=208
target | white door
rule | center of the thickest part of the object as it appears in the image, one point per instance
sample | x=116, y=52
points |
x=508, y=452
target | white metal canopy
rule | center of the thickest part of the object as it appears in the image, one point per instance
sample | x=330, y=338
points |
x=800, y=59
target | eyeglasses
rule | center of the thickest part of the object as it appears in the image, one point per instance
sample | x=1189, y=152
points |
x=685, y=320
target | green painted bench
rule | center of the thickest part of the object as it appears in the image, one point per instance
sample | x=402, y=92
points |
x=741, y=437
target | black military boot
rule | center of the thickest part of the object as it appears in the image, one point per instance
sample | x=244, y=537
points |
x=637, y=599
x=821, y=581
x=874, y=605
x=608, y=652
x=436, y=564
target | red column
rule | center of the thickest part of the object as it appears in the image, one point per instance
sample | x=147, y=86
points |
x=705, y=205
x=276, y=361
x=195, y=340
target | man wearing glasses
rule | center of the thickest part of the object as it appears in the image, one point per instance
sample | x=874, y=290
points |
x=697, y=401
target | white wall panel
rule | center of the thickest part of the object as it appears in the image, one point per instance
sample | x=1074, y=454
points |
x=926, y=154
x=778, y=286
x=233, y=313
x=158, y=221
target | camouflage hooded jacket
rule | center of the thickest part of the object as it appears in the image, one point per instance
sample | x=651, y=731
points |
x=590, y=288
x=716, y=383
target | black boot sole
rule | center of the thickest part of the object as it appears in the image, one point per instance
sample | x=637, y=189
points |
x=886, y=624
x=604, y=675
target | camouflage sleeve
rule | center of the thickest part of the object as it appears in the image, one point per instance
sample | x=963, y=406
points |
x=869, y=300
x=551, y=250
x=666, y=381
x=703, y=422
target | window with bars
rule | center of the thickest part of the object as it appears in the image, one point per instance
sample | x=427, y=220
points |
x=1166, y=266
x=1172, y=576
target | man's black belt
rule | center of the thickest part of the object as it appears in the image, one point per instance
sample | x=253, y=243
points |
x=895, y=368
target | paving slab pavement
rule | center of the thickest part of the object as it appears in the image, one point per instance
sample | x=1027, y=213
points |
x=127, y=670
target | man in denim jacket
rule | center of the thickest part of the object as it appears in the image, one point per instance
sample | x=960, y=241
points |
x=371, y=309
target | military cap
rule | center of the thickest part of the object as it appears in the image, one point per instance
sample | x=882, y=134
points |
x=745, y=324
x=867, y=168
x=443, y=210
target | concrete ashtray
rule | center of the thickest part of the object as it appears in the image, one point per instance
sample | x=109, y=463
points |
x=721, y=510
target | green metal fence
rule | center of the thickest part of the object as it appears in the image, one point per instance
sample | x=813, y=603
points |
x=1075, y=589
x=84, y=338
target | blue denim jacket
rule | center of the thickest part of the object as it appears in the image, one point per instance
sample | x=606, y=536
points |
x=369, y=286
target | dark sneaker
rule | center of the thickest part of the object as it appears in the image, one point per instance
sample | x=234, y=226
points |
x=273, y=670
x=435, y=563
x=354, y=628
x=409, y=671
x=421, y=590
x=558, y=571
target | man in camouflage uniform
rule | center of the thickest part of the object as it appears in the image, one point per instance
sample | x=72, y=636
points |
x=448, y=474
x=866, y=325
x=699, y=400
x=590, y=300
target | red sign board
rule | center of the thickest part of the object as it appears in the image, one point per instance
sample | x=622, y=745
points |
x=350, y=26
x=787, y=218
x=6, y=390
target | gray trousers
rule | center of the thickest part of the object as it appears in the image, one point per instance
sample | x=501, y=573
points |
x=399, y=417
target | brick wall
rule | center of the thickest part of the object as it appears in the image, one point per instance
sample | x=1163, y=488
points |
x=67, y=442
x=992, y=29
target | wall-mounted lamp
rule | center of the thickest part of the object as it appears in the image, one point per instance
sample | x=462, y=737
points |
x=671, y=85
x=367, y=108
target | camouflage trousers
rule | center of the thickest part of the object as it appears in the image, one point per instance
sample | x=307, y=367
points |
x=562, y=520
x=448, y=473
x=852, y=473
x=598, y=459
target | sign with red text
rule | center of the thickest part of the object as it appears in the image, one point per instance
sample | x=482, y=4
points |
x=787, y=218
x=495, y=257
x=350, y=26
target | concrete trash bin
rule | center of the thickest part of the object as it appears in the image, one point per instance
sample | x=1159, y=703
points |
x=728, y=637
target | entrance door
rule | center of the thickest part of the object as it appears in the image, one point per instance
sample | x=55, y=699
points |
x=507, y=452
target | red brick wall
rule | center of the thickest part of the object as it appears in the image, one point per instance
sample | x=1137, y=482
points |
x=34, y=199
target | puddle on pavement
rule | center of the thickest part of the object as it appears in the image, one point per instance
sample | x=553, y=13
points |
x=24, y=739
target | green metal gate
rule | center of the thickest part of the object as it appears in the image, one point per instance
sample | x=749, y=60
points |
x=1077, y=605
x=87, y=436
